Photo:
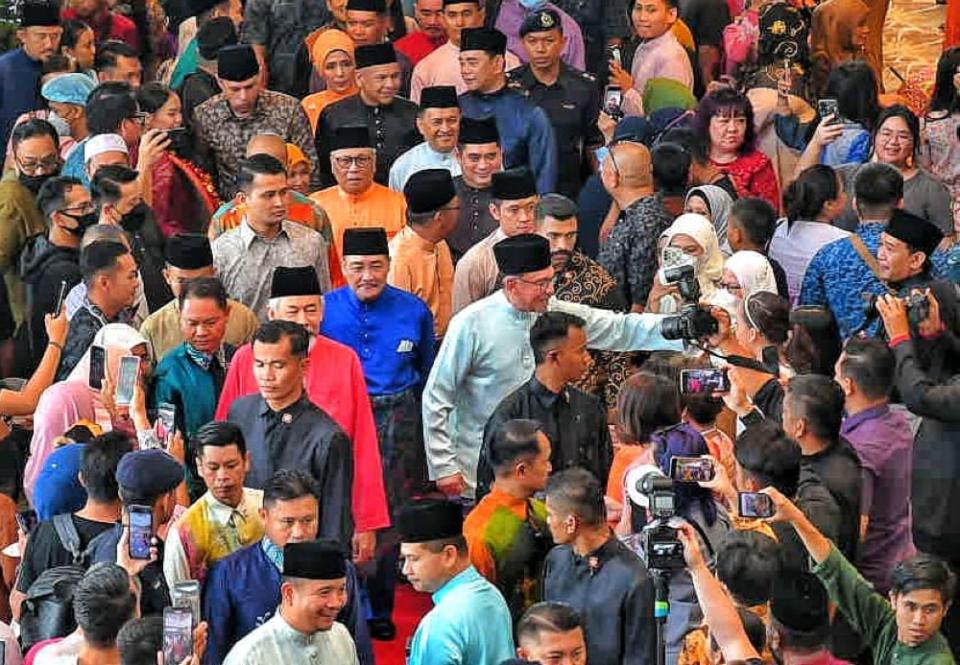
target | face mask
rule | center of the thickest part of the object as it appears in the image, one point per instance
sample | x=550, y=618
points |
x=532, y=5
x=136, y=217
x=34, y=182
x=723, y=298
x=61, y=125
x=83, y=222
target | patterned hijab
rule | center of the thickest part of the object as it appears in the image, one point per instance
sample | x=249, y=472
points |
x=783, y=34
x=719, y=202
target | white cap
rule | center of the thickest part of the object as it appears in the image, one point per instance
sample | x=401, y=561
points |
x=101, y=143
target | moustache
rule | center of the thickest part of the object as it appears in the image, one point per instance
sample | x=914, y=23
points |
x=565, y=253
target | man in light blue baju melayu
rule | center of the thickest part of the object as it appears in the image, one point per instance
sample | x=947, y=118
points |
x=439, y=121
x=470, y=622
x=486, y=355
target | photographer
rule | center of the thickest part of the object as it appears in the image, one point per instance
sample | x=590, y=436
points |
x=904, y=630
x=936, y=464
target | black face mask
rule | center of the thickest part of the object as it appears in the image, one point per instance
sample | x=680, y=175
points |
x=83, y=222
x=34, y=182
x=136, y=217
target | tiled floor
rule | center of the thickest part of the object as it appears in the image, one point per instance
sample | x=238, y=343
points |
x=913, y=38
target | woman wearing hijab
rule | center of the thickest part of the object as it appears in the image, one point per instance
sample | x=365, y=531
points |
x=838, y=34
x=744, y=273
x=714, y=203
x=72, y=400
x=695, y=236
x=333, y=61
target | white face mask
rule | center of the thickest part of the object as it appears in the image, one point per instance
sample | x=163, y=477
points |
x=723, y=298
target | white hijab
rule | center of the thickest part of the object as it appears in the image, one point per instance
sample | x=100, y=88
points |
x=709, y=264
x=753, y=271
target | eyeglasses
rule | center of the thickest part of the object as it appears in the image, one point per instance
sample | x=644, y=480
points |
x=139, y=117
x=43, y=166
x=78, y=210
x=543, y=285
x=360, y=161
x=450, y=208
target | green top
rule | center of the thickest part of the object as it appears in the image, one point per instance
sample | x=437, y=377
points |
x=871, y=615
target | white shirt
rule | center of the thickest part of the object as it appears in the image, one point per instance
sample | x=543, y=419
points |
x=277, y=643
x=418, y=158
x=442, y=67
x=64, y=652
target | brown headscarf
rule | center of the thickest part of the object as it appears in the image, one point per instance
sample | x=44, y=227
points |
x=831, y=37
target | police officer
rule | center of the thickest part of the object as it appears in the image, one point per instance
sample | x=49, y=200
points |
x=570, y=98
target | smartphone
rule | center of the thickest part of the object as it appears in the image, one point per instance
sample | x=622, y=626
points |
x=60, y=298
x=827, y=108
x=755, y=504
x=3, y=652
x=707, y=381
x=98, y=363
x=177, y=635
x=186, y=593
x=141, y=531
x=127, y=379
x=691, y=469
x=616, y=56
x=612, y=99
x=166, y=423
x=179, y=138
x=27, y=520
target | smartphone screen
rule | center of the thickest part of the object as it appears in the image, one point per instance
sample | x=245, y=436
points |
x=691, y=469
x=177, y=635
x=704, y=381
x=127, y=379
x=60, y=297
x=755, y=504
x=166, y=423
x=612, y=99
x=829, y=107
x=98, y=362
x=27, y=520
x=141, y=531
x=186, y=593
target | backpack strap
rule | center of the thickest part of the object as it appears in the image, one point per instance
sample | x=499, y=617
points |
x=866, y=256
x=69, y=538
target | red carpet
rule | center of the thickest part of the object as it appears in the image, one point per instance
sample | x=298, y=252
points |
x=409, y=608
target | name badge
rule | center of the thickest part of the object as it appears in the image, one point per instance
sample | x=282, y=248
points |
x=406, y=346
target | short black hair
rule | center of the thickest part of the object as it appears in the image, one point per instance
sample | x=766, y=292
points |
x=748, y=563
x=203, y=288
x=98, y=465
x=53, y=194
x=109, y=52
x=259, y=164
x=579, y=492
x=58, y=63
x=152, y=96
x=100, y=256
x=756, y=218
x=219, y=434
x=909, y=119
x=106, y=184
x=923, y=571
x=647, y=402
x=102, y=603
x=547, y=617
x=671, y=168
x=549, y=328
x=818, y=401
x=139, y=641
x=72, y=30
x=878, y=187
x=871, y=365
x=770, y=457
x=515, y=439
x=33, y=129
x=289, y=485
x=271, y=332
x=108, y=105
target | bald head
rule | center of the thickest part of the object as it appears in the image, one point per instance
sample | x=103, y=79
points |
x=268, y=144
x=633, y=165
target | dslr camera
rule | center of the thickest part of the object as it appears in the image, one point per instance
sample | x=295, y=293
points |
x=693, y=322
x=660, y=548
x=918, y=307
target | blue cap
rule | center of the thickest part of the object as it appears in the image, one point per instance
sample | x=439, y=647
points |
x=68, y=89
x=58, y=489
x=150, y=472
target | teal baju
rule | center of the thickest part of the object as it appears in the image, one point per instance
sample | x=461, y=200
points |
x=468, y=625
x=193, y=389
x=186, y=64
x=486, y=355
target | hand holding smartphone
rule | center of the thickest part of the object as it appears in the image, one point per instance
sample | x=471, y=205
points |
x=98, y=366
x=177, y=635
x=827, y=108
x=60, y=298
x=755, y=504
x=612, y=102
x=141, y=531
x=704, y=381
x=692, y=469
x=127, y=379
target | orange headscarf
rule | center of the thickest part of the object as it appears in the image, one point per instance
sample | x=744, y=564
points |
x=326, y=43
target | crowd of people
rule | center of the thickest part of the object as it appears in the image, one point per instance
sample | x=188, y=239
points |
x=627, y=330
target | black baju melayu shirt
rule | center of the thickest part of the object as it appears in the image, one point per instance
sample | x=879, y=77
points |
x=300, y=437
x=572, y=103
x=614, y=594
x=474, y=221
x=575, y=423
x=393, y=130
